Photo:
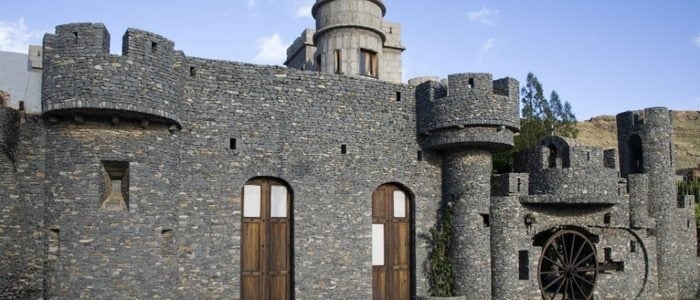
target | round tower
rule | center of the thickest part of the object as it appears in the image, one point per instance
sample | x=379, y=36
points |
x=352, y=38
x=467, y=120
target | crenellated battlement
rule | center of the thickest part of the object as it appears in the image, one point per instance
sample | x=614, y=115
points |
x=81, y=77
x=484, y=111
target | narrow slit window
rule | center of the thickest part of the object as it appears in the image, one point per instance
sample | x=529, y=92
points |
x=343, y=149
x=523, y=265
x=75, y=37
x=338, y=62
x=419, y=155
x=154, y=47
x=21, y=106
x=232, y=144
x=193, y=72
x=471, y=83
x=398, y=96
x=633, y=246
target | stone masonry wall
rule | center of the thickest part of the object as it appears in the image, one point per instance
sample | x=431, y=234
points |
x=22, y=208
x=291, y=125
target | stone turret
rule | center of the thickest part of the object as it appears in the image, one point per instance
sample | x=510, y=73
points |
x=645, y=141
x=468, y=119
x=350, y=38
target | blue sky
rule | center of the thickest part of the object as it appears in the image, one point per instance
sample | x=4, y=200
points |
x=604, y=57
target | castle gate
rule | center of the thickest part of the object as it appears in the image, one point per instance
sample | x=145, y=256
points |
x=391, y=245
x=265, y=240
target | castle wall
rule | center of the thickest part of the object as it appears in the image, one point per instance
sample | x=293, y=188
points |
x=292, y=125
x=101, y=252
x=21, y=205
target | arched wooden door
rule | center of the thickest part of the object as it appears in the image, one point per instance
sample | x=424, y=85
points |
x=265, y=240
x=391, y=243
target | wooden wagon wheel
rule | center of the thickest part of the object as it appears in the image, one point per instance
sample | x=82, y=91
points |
x=568, y=267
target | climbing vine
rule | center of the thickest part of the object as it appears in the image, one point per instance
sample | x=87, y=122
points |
x=439, y=267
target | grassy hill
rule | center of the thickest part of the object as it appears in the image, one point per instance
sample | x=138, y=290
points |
x=602, y=131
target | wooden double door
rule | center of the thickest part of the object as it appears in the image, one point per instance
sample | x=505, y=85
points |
x=265, y=240
x=391, y=243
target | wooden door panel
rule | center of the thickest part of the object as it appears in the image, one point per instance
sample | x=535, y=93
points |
x=379, y=283
x=400, y=283
x=400, y=245
x=278, y=287
x=250, y=256
x=277, y=246
x=251, y=287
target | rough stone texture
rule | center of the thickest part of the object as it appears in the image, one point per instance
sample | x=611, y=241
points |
x=190, y=132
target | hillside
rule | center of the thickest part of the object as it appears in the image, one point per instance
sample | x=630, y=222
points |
x=602, y=131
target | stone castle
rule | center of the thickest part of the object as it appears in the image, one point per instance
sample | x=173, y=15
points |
x=152, y=174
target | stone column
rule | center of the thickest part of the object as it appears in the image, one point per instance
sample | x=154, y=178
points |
x=467, y=182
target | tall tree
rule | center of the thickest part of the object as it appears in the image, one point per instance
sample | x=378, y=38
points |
x=540, y=117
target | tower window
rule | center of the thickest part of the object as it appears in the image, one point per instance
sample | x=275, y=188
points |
x=368, y=63
x=338, y=62
x=116, y=186
x=154, y=47
x=193, y=72
x=471, y=83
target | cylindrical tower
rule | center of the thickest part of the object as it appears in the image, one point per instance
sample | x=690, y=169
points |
x=477, y=116
x=351, y=38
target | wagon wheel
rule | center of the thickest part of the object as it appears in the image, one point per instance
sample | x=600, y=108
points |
x=568, y=267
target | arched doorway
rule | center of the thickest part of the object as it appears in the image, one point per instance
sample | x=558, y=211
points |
x=265, y=240
x=391, y=242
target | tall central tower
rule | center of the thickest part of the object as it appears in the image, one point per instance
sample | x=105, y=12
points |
x=350, y=38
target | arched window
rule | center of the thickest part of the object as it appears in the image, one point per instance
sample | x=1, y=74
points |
x=266, y=239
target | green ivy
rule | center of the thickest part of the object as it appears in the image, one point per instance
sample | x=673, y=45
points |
x=440, y=268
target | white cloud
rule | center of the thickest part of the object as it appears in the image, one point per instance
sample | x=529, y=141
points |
x=486, y=49
x=696, y=40
x=16, y=36
x=303, y=10
x=486, y=16
x=271, y=50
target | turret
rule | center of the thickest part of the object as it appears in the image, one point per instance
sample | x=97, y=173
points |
x=350, y=38
x=467, y=120
x=645, y=142
x=82, y=79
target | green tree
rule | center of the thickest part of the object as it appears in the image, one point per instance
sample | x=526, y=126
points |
x=540, y=117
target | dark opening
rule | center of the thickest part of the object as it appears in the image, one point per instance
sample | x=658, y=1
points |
x=398, y=96
x=588, y=156
x=193, y=71
x=633, y=246
x=553, y=153
x=21, y=106
x=471, y=83
x=419, y=155
x=154, y=47
x=636, y=156
x=75, y=37
x=166, y=231
x=486, y=220
x=670, y=152
x=232, y=144
x=608, y=254
x=523, y=265
x=519, y=184
x=606, y=219
x=343, y=149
